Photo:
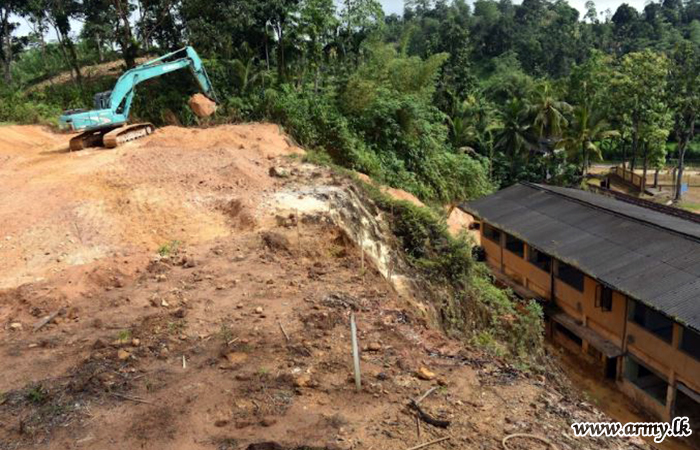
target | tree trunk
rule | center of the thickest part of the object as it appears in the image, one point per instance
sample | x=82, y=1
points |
x=7, y=43
x=584, y=150
x=623, y=142
x=644, y=169
x=100, y=51
x=656, y=178
x=129, y=48
x=635, y=144
x=74, y=60
x=682, y=147
x=281, y=66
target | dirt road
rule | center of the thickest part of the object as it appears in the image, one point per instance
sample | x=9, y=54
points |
x=192, y=290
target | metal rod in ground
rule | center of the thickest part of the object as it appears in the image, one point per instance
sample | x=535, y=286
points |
x=355, y=351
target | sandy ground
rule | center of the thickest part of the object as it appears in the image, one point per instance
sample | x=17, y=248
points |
x=60, y=209
x=193, y=290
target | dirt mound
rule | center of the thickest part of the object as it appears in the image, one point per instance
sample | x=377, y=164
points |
x=20, y=138
x=266, y=140
x=176, y=185
x=458, y=221
x=201, y=105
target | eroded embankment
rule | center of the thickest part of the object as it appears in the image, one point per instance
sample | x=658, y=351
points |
x=216, y=316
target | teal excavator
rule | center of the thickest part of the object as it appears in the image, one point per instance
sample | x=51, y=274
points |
x=106, y=125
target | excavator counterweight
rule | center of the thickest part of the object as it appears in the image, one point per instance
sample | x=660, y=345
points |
x=106, y=125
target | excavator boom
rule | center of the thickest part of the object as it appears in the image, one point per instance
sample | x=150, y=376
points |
x=112, y=107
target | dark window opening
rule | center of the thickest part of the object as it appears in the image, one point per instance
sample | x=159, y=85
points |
x=492, y=234
x=515, y=245
x=604, y=298
x=688, y=405
x=610, y=368
x=571, y=276
x=645, y=379
x=570, y=335
x=652, y=321
x=539, y=259
x=690, y=343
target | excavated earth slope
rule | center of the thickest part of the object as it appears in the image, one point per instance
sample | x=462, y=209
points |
x=192, y=290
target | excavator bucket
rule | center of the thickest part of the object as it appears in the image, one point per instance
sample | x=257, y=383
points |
x=201, y=105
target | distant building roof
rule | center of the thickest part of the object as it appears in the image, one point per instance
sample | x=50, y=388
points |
x=650, y=256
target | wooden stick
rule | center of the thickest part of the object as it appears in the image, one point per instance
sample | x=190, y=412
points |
x=427, y=418
x=286, y=336
x=418, y=427
x=133, y=399
x=427, y=444
x=46, y=320
x=184, y=362
x=355, y=352
x=427, y=393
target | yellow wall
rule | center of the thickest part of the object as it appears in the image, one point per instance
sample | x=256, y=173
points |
x=663, y=357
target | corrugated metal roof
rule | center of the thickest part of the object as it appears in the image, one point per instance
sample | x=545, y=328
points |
x=648, y=255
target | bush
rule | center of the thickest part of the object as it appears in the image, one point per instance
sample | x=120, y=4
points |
x=468, y=303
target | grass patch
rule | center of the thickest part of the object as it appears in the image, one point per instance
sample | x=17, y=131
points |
x=690, y=206
x=168, y=248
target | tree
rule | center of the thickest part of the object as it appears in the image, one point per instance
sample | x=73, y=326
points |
x=7, y=41
x=548, y=113
x=317, y=24
x=280, y=15
x=58, y=14
x=514, y=135
x=684, y=98
x=640, y=87
x=584, y=136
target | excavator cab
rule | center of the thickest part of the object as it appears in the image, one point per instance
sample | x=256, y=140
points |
x=102, y=100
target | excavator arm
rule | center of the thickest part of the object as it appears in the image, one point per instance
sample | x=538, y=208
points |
x=123, y=92
x=112, y=108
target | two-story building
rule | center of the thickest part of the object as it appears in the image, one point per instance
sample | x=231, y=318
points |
x=621, y=284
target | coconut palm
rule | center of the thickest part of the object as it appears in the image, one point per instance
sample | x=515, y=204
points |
x=585, y=135
x=548, y=114
x=514, y=136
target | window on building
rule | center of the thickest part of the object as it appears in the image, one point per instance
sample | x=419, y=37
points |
x=568, y=334
x=690, y=342
x=604, y=297
x=652, y=321
x=492, y=234
x=571, y=276
x=539, y=259
x=515, y=245
x=645, y=379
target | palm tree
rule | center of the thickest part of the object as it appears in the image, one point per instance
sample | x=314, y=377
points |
x=514, y=136
x=472, y=123
x=585, y=135
x=548, y=114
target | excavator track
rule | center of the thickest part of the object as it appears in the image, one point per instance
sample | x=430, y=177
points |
x=88, y=139
x=127, y=133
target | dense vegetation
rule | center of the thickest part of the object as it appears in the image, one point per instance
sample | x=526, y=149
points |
x=448, y=100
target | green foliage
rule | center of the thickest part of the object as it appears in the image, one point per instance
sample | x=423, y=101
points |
x=36, y=394
x=168, y=248
x=468, y=303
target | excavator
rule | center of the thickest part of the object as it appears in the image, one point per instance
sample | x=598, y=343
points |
x=106, y=125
